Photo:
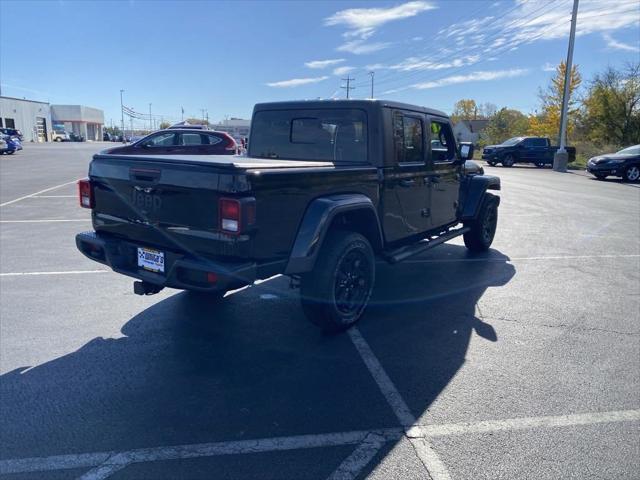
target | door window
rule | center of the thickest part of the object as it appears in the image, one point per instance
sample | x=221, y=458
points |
x=408, y=138
x=443, y=146
x=161, y=140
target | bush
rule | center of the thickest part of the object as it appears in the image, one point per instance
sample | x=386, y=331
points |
x=585, y=150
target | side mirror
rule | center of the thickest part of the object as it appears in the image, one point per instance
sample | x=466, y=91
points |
x=466, y=151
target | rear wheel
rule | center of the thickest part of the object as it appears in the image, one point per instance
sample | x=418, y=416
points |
x=483, y=228
x=508, y=161
x=540, y=164
x=336, y=293
x=492, y=162
x=632, y=173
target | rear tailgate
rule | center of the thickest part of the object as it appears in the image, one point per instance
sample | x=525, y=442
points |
x=167, y=203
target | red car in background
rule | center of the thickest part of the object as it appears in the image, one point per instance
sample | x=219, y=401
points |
x=180, y=142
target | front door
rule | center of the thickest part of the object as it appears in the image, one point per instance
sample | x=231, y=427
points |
x=405, y=190
x=444, y=179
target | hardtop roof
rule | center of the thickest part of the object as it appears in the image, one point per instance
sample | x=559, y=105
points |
x=365, y=104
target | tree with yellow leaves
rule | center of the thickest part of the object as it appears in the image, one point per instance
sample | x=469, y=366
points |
x=547, y=122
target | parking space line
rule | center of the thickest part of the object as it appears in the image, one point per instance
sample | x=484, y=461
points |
x=526, y=423
x=55, y=196
x=425, y=452
x=37, y=193
x=69, y=272
x=47, y=220
x=105, y=463
x=105, y=459
x=351, y=467
x=516, y=259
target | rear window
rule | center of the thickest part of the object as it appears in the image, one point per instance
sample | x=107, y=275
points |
x=338, y=135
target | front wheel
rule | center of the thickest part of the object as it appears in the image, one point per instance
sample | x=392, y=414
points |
x=492, y=162
x=632, y=173
x=508, y=161
x=540, y=164
x=335, y=294
x=483, y=227
x=600, y=176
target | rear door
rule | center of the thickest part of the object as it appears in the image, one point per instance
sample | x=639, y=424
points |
x=406, y=196
x=444, y=178
x=196, y=143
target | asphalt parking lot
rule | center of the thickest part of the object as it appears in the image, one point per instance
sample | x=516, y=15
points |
x=520, y=363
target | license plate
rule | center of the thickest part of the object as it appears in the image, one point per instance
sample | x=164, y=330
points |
x=151, y=260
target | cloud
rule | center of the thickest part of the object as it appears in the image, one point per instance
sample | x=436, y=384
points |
x=323, y=63
x=479, y=76
x=296, y=82
x=362, y=22
x=342, y=70
x=616, y=45
x=358, y=47
x=548, y=67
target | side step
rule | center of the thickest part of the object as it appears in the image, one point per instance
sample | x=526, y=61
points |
x=407, y=251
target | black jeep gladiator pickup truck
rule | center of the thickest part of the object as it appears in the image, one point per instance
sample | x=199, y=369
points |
x=536, y=150
x=326, y=187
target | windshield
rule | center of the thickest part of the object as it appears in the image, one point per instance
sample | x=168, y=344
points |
x=512, y=141
x=635, y=150
x=334, y=135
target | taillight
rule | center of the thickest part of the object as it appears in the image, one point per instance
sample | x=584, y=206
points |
x=85, y=193
x=236, y=215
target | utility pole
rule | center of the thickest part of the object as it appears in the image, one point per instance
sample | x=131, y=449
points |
x=150, y=120
x=130, y=128
x=122, y=114
x=561, y=157
x=372, y=74
x=203, y=110
x=348, y=87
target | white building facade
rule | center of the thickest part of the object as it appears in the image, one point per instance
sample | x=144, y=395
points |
x=85, y=121
x=31, y=117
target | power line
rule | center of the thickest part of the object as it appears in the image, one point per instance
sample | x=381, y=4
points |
x=348, y=87
x=480, y=50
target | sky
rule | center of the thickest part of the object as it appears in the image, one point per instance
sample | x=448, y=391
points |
x=224, y=57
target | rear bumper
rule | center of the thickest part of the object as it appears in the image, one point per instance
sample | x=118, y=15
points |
x=181, y=270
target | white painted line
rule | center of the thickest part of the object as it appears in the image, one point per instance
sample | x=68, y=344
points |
x=515, y=259
x=47, y=220
x=351, y=467
x=37, y=193
x=386, y=386
x=69, y=272
x=103, y=460
x=425, y=452
x=55, y=196
x=418, y=434
x=525, y=423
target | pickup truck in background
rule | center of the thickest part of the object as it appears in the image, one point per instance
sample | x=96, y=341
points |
x=326, y=187
x=535, y=150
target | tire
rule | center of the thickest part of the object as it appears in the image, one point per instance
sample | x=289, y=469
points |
x=11, y=152
x=58, y=139
x=600, y=176
x=335, y=294
x=492, y=163
x=540, y=164
x=632, y=173
x=483, y=228
x=508, y=161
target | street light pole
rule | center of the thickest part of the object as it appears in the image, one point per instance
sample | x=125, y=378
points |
x=122, y=114
x=561, y=157
x=372, y=75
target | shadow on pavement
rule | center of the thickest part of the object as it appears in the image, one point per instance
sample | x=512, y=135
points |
x=190, y=371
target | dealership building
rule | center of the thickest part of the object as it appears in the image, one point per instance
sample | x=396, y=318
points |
x=37, y=120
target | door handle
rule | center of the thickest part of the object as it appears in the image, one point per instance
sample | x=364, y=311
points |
x=407, y=183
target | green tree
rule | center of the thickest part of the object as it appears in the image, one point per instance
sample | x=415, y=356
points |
x=506, y=123
x=611, y=108
x=164, y=125
x=197, y=121
x=547, y=123
x=465, y=109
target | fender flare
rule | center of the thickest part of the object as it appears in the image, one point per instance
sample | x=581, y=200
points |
x=476, y=188
x=316, y=222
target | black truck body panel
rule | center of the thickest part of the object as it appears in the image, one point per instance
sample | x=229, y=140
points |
x=171, y=203
x=535, y=150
